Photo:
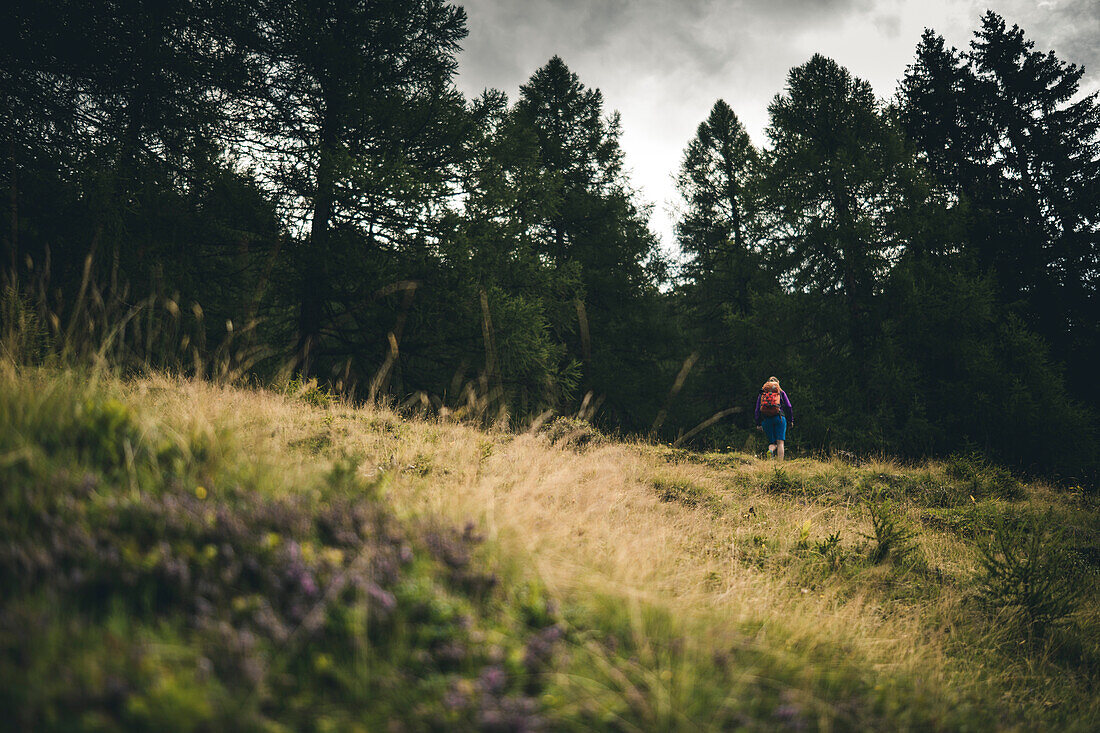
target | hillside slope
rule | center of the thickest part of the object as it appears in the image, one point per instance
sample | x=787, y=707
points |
x=182, y=553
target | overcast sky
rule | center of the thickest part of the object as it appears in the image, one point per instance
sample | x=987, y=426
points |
x=663, y=63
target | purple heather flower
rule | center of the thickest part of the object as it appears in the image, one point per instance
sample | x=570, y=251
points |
x=383, y=600
x=493, y=679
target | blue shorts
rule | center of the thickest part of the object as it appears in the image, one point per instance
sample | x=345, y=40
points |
x=775, y=428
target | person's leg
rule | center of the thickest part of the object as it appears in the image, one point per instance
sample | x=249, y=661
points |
x=780, y=435
x=769, y=432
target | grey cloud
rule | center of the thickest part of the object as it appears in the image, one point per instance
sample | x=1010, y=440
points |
x=664, y=62
x=888, y=25
x=1070, y=28
x=705, y=36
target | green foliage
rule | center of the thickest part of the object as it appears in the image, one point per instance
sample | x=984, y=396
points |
x=1028, y=569
x=892, y=538
x=573, y=433
x=310, y=392
x=105, y=432
x=1019, y=222
x=830, y=140
x=829, y=545
x=779, y=481
x=228, y=604
x=24, y=338
x=964, y=519
x=981, y=478
x=684, y=492
x=315, y=444
x=803, y=542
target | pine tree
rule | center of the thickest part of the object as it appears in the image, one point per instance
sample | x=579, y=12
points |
x=598, y=226
x=364, y=124
x=717, y=183
x=832, y=183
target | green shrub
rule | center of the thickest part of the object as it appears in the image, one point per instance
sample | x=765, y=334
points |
x=106, y=433
x=964, y=520
x=925, y=488
x=891, y=537
x=309, y=392
x=683, y=492
x=781, y=482
x=1028, y=569
x=979, y=478
x=573, y=433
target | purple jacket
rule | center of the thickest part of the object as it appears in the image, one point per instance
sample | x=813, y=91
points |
x=784, y=405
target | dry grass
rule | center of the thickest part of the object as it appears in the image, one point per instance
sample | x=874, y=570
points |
x=592, y=523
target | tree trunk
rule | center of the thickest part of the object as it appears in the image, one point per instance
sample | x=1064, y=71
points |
x=13, y=243
x=314, y=259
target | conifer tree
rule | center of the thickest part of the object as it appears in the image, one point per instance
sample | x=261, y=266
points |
x=717, y=183
x=832, y=185
x=1047, y=153
x=719, y=233
x=363, y=124
x=1004, y=127
x=598, y=226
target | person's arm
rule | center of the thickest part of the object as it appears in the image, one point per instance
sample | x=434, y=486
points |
x=756, y=412
x=785, y=404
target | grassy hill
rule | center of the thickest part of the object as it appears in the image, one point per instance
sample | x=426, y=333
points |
x=181, y=555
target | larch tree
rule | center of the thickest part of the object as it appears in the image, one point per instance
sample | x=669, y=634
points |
x=1006, y=129
x=363, y=123
x=598, y=226
x=717, y=181
x=832, y=184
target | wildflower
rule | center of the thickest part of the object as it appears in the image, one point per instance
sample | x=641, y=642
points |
x=493, y=680
x=200, y=492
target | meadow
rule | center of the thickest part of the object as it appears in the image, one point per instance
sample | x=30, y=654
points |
x=186, y=554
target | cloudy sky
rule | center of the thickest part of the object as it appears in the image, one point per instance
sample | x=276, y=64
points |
x=663, y=63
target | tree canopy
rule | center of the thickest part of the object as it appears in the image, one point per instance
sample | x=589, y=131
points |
x=304, y=181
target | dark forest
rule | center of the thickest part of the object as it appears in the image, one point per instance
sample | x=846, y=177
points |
x=299, y=188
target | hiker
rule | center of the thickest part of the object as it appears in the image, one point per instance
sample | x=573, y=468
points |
x=774, y=413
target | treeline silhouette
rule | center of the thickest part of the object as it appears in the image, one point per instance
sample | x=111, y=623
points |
x=920, y=272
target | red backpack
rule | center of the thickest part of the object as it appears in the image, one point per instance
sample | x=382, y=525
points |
x=769, y=401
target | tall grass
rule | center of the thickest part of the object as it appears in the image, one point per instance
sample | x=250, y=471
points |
x=112, y=330
x=620, y=585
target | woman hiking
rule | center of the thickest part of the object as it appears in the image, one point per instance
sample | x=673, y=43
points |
x=774, y=413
